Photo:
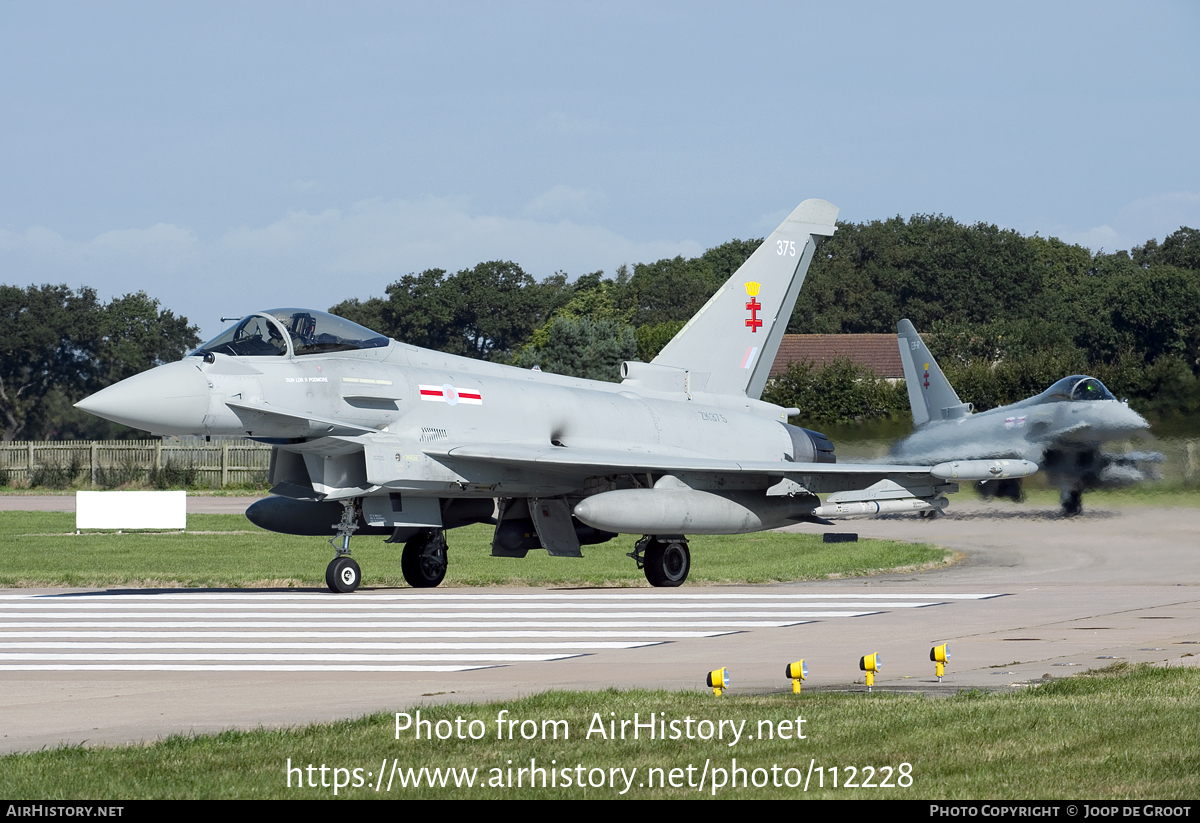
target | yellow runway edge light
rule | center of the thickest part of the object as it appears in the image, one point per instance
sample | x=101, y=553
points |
x=940, y=655
x=870, y=664
x=797, y=671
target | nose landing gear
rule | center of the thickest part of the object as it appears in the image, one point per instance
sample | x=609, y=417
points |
x=342, y=574
x=1072, y=502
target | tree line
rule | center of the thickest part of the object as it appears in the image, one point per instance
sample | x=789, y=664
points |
x=1007, y=315
x=58, y=345
x=586, y=327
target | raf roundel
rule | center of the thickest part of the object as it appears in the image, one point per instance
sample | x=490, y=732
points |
x=452, y=395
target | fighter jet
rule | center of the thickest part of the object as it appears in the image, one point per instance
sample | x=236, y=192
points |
x=1062, y=429
x=374, y=436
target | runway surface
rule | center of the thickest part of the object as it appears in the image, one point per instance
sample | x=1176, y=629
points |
x=410, y=632
x=1035, y=596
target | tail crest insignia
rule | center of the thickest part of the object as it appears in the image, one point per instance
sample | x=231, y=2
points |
x=754, y=307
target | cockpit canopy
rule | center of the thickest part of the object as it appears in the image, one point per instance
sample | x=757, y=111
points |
x=1078, y=387
x=279, y=332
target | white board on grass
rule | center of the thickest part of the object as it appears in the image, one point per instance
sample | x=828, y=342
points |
x=131, y=510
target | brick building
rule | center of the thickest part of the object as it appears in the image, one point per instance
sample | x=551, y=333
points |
x=878, y=352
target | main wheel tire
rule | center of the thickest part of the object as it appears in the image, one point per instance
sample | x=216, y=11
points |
x=1011, y=490
x=1072, y=503
x=667, y=564
x=343, y=575
x=423, y=561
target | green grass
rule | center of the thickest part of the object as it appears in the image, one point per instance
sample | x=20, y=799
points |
x=1129, y=732
x=218, y=550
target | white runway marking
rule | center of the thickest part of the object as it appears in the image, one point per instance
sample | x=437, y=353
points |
x=413, y=631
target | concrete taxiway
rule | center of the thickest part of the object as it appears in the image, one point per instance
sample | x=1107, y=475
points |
x=1034, y=596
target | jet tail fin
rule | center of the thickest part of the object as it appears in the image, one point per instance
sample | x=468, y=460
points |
x=729, y=346
x=929, y=392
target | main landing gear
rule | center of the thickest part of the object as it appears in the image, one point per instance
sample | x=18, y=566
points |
x=423, y=561
x=1003, y=489
x=664, y=558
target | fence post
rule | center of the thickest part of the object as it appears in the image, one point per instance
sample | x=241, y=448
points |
x=10, y=465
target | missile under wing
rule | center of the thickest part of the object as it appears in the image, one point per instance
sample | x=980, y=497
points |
x=1062, y=429
x=374, y=436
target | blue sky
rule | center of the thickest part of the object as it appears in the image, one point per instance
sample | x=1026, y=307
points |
x=226, y=157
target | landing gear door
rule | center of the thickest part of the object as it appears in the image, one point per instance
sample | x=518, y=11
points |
x=395, y=510
x=553, y=523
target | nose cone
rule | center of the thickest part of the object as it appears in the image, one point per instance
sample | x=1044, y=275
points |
x=169, y=399
x=1119, y=421
x=1101, y=421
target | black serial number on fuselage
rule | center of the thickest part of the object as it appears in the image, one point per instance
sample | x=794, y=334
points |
x=712, y=417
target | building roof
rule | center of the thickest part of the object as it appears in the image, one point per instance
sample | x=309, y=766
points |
x=878, y=352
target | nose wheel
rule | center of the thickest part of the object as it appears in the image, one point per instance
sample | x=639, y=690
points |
x=1072, y=502
x=343, y=575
